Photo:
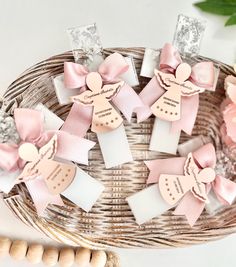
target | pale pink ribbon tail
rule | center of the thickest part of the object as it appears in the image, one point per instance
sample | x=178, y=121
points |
x=164, y=166
x=41, y=196
x=78, y=120
x=127, y=101
x=189, y=110
x=73, y=148
x=190, y=207
x=150, y=93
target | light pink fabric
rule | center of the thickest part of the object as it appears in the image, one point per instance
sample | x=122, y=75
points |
x=190, y=206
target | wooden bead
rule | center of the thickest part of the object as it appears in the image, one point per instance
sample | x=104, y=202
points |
x=5, y=244
x=50, y=256
x=67, y=257
x=99, y=258
x=18, y=250
x=35, y=253
x=82, y=257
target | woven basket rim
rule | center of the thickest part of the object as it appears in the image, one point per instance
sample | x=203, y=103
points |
x=24, y=210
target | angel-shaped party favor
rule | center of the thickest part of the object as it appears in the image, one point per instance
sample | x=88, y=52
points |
x=57, y=175
x=174, y=187
x=186, y=186
x=42, y=160
x=168, y=106
x=105, y=116
x=172, y=95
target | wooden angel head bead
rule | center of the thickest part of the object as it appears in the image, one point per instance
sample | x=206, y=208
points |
x=105, y=116
x=168, y=106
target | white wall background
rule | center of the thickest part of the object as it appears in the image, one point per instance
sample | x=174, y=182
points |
x=31, y=31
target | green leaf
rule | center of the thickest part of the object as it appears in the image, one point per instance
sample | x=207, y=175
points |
x=219, y=7
x=222, y=1
x=231, y=20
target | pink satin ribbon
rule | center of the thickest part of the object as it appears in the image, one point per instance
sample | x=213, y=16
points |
x=202, y=75
x=190, y=206
x=127, y=101
x=30, y=127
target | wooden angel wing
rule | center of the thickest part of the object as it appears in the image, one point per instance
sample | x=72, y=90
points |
x=189, y=89
x=27, y=174
x=85, y=98
x=190, y=167
x=49, y=150
x=164, y=78
x=110, y=90
x=199, y=191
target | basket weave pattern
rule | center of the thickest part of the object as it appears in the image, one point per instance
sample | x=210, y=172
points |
x=110, y=222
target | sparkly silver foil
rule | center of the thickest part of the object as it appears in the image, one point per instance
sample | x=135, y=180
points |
x=188, y=35
x=8, y=132
x=85, y=41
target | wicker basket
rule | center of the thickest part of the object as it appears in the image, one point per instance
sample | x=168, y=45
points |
x=111, y=223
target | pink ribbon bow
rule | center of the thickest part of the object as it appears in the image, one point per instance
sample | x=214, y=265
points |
x=30, y=127
x=127, y=101
x=189, y=205
x=202, y=75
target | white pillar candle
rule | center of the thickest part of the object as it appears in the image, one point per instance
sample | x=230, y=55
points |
x=130, y=76
x=84, y=191
x=147, y=204
x=162, y=139
x=115, y=147
x=51, y=120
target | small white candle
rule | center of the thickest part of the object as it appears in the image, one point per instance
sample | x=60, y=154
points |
x=214, y=204
x=191, y=145
x=150, y=62
x=84, y=191
x=162, y=139
x=130, y=76
x=63, y=93
x=147, y=204
x=115, y=147
x=51, y=120
x=217, y=73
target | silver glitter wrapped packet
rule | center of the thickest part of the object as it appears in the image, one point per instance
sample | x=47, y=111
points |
x=8, y=132
x=85, y=42
x=188, y=35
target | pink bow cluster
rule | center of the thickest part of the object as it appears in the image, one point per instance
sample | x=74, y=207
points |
x=190, y=206
x=30, y=127
x=80, y=116
x=202, y=75
x=228, y=129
